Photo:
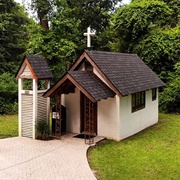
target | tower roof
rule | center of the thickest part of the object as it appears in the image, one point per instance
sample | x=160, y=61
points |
x=34, y=66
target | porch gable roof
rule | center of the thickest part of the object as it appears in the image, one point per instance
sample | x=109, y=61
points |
x=86, y=82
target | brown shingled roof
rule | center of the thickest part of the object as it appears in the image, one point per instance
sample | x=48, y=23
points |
x=124, y=73
x=127, y=72
x=92, y=84
x=39, y=66
x=85, y=81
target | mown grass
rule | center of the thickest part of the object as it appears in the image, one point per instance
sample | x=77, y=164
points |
x=153, y=154
x=8, y=126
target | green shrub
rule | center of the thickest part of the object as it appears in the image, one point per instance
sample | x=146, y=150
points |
x=8, y=107
x=169, y=99
x=42, y=127
x=8, y=94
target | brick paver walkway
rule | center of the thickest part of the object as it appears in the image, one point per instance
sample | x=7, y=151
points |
x=25, y=159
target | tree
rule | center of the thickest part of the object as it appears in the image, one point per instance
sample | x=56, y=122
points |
x=13, y=42
x=95, y=14
x=43, y=9
x=170, y=97
x=13, y=35
x=145, y=28
x=8, y=94
x=160, y=50
x=137, y=19
x=151, y=28
x=57, y=49
x=64, y=41
x=175, y=6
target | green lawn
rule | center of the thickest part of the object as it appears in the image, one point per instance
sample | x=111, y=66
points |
x=8, y=126
x=149, y=155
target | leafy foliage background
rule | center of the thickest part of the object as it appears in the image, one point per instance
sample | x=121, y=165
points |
x=150, y=28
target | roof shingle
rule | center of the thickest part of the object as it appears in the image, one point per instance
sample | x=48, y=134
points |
x=39, y=66
x=92, y=84
x=127, y=72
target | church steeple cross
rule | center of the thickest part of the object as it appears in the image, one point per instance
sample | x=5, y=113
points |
x=89, y=34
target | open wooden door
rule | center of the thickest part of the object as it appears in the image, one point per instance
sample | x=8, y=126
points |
x=88, y=118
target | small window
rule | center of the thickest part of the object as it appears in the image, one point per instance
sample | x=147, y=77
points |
x=138, y=101
x=154, y=94
x=88, y=66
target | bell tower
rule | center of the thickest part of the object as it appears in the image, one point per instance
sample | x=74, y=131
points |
x=33, y=80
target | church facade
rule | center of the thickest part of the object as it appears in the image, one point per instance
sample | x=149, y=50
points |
x=108, y=94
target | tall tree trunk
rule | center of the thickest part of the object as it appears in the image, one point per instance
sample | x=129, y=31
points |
x=43, y=20
x=42, y=7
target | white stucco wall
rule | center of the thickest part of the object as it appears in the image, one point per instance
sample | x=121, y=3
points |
x=131, y=123
x=108, y=118
x=72, y=103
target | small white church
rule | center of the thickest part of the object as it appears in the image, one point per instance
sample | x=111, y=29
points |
x=108, y=94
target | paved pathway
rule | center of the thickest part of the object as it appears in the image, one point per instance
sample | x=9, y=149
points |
x=27, y=159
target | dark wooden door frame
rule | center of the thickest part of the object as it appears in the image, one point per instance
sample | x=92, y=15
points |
x=82, y=114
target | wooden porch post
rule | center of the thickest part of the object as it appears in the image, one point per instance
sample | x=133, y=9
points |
x=20, y=86
x=34, y=107
x=48, y=102
x=58, y=117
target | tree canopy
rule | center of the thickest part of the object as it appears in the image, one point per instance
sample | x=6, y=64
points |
x=170, y=97
x=13, y=43
x=136, y=20
x=160, y=50
x=150, y=28
x=13, y=35
x=62, y=43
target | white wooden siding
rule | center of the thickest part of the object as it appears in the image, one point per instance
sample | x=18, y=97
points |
x=26, y=73
x=27, y=115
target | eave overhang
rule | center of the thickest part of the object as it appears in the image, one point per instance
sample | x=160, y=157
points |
x=94, y=93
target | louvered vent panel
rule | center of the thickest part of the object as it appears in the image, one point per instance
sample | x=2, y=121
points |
x=42, y=107
x=27, y=115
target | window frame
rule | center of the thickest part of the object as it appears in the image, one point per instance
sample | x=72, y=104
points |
x=154, y=94
x=138, y=101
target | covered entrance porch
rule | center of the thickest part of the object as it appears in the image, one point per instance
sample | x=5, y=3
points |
x=79, y=92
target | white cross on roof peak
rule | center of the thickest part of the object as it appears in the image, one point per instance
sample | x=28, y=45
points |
x=89, y=34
